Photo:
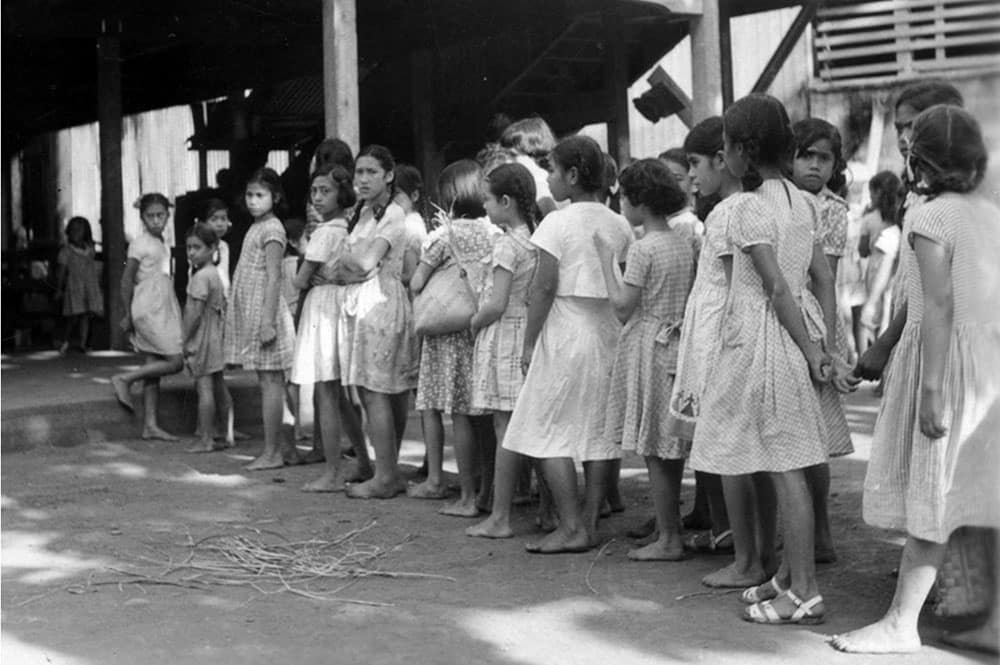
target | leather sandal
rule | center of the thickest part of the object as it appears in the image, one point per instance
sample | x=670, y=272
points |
x=766, y=591
x=765, y=612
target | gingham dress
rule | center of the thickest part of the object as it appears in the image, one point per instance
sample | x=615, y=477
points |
x=930, y=487
x=245, y=310
x=497, y=376
x=661, y=264
x=156, y=314
x=760, y=410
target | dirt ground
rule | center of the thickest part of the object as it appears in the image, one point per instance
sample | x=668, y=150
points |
x=74, y=519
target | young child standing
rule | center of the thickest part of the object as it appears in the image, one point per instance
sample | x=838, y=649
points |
x=761, y=412
x=259, y=333
x=204, y=314
x=935, y=438
x=78, y=286
x=818, y=168
x=409, y=186
x=216, y=214
x=881, y=236
x=658, y=272
x=152, y=314
x=316, y=353
x=466, y=237
x=376, y=320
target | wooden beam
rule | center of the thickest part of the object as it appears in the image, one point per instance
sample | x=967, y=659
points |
x=616, y=85
x=109, y=118
x=661, y=77
x=549, y=49
x=726, y=54
x=340, y=72
x=786, y=46
x=706, y=54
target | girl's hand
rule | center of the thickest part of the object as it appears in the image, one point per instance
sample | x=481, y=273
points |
x=845, y=382
x=441, y=217
x=932, y=413
x=526, y=358
x=872, y=362
x=820, y=364
x=268, y=334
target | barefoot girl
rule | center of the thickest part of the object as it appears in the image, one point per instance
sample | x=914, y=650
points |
x=760, y=413
x=700, y=335
x=466, y=237
x=658, y=274
x=931, y=451
x=152, y=314
x=509, y=199
x=204, y=314
x=376, y=319
x=316, y=357
x=569, y=345
x=818, y=168
x=78, y=285
x=259, y=333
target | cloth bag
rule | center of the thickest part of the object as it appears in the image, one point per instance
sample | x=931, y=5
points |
x=446, y=304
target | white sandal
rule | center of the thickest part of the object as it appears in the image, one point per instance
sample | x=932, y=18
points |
x=756, y=594
x=764, y=612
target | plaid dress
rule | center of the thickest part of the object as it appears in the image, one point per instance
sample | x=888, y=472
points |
x=496, y=376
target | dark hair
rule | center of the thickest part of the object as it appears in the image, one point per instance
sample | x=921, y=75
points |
x=885, y=188
x=203, y=232
x=649, y=182
x=408, y=179
x=342, y=180
x=704, y=205
x=515, y=181
x=84, y=224
x=705, y=138
x=497, y=125
x=931, y=92
x=531, y=136
x=151, y=199
x=210, y=207
x=384, y=157
x=294, y=228
x=675, y=155
x=460, y=189
x=582, y=153
x=759, y=123
x=947, y=150
x=332, y=152
x=809, y=131
x=270, y=180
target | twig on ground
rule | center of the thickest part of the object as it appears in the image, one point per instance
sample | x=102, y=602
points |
x=712, y=592
x=586, y=578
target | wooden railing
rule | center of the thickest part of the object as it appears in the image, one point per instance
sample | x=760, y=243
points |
x=885, y=39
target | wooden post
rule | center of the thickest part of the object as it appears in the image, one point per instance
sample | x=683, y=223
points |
x=706, y=54
x=616, y=87
x=726, y=53
x=425, y=150
x=340, y=72
x=109, y=118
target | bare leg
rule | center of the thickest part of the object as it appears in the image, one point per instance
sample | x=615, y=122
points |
x=206, y=414
x=224, y=407
x=465, y=455
x=433, y=487
x=272, y=394
x=68, y=335
x=767, y=522
x=497, y=525
x=486, y=433
x=154, y=368
x=597, y=477
x=896, y=632
x=818, y=477
x=746, y=569
x=317, y=454
x=547, y=519
x=571, y=535
x=350, y=418
x=386, y=482
x=614, y=495
x=84, y=331
x=716, y=500
x=665, y=487
x=699, y=517
x=326, y=394
x=400, y=415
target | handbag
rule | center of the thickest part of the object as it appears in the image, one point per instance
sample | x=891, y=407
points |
x=446, y=304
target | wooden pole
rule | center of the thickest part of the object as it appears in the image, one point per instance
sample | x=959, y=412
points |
x=802, y=20
x=726, y=53
x=706, y=54
x=109, y=118
x=616, y=86
x=427, y=155
x=340, y=72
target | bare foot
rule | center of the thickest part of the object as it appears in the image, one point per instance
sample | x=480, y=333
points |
x=491, y=527
x=982, y=639
x=460, y=508
x=356, y=472
x=732, y=577
x=644, y=530
x=122, y=393
x=426, y=490
x=328, y=482
x=314, y=457
x=157, y=434
x=562, y=541
x=658, y=550
x=271, y=460
x=204, y=446
x=373, y=489
x=883, y=636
